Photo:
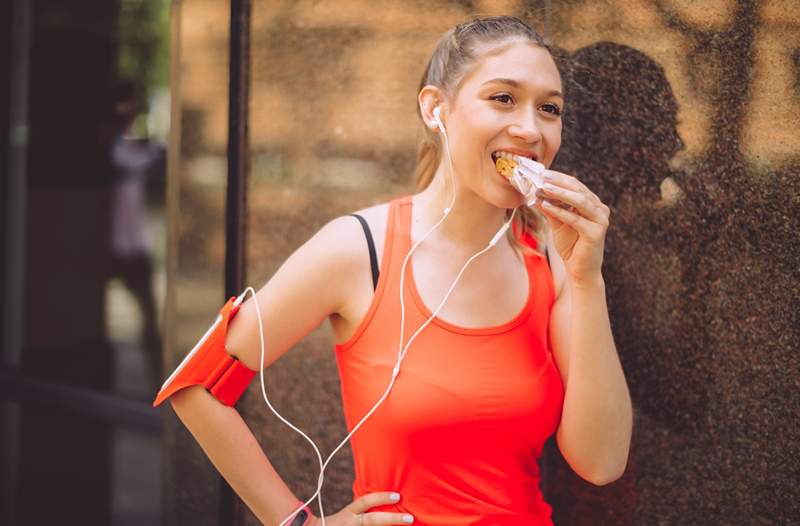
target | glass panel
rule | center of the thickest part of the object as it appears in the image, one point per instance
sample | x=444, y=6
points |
x=196, y=236
x=136, y=288
x=94, y=277
x=96, y=97
x=114, y=472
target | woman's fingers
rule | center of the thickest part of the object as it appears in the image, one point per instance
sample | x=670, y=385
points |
x=361, y=506
x=383, y=518
x=568, y=189
x=590, y=230
x=587, y=206
x=567, y=181
x=371, y=500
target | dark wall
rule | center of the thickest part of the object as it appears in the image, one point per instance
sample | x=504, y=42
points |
x=702, y=290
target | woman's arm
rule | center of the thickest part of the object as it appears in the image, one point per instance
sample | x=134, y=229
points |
x=234, y=451
x=597, y=418
x=312, y=284
x=595, y=431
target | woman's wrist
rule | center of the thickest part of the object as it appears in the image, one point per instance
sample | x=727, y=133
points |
x=590, y=282
x=304, y=517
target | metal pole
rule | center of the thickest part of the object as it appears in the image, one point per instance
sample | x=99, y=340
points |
x=235, y=212
x=14, y=249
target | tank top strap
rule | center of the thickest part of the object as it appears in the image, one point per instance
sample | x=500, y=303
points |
x=400, y=210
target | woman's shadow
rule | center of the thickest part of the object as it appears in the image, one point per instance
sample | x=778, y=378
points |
x=620, y=134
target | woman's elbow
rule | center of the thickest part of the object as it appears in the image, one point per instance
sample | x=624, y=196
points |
x=606, y=476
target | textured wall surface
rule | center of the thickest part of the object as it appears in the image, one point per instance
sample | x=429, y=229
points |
x=681, y=117
x=701, y=264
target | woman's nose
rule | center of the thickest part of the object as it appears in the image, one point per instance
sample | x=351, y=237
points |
x=526, y=128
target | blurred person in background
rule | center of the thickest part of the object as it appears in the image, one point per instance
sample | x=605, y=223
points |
x=135, y=160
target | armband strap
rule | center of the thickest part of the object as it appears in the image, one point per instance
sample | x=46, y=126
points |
x=210, y=365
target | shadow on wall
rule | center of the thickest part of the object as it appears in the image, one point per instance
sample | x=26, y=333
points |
x=619, y=139
x=702, y=294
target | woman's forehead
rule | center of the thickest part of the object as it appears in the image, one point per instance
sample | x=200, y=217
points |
x=525, y=63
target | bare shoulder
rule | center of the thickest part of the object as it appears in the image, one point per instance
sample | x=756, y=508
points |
x=344, y=237
x=341, y=252
x=328, y=276
x=377, y=218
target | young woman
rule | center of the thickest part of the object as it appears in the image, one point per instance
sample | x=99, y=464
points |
x=521, y=349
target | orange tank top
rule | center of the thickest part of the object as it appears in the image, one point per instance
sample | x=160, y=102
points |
x=461, y=431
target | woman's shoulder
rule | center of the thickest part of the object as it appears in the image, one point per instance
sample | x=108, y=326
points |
x=377, y=219
x=376, y=216
x=346, y=237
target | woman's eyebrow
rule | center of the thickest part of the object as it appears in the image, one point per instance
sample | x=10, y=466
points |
x=516, y=84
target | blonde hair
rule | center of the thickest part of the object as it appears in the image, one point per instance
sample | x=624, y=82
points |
x=454, y=54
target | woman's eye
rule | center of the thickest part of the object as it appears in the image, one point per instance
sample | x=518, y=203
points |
x=552, y=108
x=504, y=98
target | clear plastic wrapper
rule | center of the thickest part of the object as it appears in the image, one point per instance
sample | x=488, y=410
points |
x=525, y=175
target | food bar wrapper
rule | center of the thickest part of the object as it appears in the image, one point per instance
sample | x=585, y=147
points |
x=527, y=177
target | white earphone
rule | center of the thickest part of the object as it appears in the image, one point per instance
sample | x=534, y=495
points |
x=402, y=348
x=437, y=117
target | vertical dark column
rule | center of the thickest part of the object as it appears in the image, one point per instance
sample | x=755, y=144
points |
x=14, y=57
x=235, y=212
x=237, y=146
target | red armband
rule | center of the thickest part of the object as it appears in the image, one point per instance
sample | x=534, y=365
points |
x=210, y=365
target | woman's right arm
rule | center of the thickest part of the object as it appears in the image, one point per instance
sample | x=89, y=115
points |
x=234, y=451
x=311, y=285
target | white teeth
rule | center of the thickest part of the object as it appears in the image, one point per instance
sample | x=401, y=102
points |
x=510, y=156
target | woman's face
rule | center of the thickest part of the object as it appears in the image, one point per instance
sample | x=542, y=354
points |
x=509, y=101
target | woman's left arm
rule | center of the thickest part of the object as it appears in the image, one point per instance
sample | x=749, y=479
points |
x=595, y=431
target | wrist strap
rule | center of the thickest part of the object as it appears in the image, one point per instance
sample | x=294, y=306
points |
x=302, y=517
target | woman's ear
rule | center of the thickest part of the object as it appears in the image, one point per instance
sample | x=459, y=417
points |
x=430, y=97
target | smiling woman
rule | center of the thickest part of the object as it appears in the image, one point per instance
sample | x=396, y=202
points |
x=505, y=77
x=497, y=348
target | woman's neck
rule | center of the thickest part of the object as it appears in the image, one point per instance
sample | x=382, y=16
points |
x=471, y=223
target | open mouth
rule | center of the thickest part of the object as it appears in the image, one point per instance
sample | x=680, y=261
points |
x=505, y=162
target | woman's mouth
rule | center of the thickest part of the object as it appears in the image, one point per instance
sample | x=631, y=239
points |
x=505, y=162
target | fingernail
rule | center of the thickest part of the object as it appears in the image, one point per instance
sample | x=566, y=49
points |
x=394, y=496
x=408, y=519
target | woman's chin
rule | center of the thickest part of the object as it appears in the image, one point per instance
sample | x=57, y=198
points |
x=508, y=198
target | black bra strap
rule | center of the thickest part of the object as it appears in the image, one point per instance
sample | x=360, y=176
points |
x=547, y=255
x=373, y=256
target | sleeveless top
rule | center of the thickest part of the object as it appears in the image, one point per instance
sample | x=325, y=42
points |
x=461, y=431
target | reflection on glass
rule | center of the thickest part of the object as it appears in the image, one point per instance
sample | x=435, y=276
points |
x=93, y=256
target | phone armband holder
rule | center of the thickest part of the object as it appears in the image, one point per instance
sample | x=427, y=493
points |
x=209, y=364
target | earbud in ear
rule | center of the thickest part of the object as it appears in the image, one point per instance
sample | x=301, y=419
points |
x=437, y=116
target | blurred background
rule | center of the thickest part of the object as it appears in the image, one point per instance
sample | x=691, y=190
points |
x=159, y=155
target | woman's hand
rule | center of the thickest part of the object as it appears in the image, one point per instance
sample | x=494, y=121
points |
x=355, y=513
x=578, y=233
